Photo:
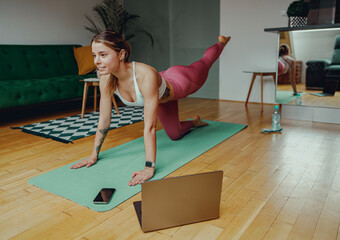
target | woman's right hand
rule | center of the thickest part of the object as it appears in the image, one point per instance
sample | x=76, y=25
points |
x=88, y=162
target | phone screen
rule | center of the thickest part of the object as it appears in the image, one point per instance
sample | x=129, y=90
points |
x=104, y=195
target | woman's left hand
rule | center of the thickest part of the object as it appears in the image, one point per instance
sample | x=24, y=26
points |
x=139, y=177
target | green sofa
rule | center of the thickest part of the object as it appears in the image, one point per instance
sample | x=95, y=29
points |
x=32, y=74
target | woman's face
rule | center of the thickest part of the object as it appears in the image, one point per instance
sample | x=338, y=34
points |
x=106, y=59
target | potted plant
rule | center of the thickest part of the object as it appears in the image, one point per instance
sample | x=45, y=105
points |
x=112, y=16
x=297, y=13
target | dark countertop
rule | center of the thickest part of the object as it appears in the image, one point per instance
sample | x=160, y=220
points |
x=310, y=27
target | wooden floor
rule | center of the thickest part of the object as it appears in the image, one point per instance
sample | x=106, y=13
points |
x=311, y=100
x=275, y=186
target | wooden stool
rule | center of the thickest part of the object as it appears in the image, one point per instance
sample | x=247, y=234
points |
x=94, y=82
x=259, y=73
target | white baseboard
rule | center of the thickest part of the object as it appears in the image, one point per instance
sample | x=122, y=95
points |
x=313, y=114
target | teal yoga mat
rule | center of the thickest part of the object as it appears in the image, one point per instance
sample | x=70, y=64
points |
x=285, y=97
x=116, y=165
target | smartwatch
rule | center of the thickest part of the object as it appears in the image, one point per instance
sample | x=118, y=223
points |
x=149, y=164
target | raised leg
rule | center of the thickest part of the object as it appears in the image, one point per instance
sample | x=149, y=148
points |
x=188, y=79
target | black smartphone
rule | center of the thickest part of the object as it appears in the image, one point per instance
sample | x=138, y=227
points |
x=104, y=196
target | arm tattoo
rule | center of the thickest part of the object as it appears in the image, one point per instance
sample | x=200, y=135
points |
x=166, y=94
x=101, y=140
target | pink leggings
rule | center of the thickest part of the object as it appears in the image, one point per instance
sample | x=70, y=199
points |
x=185, y=80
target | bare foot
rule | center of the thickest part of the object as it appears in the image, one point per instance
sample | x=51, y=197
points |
x=198, y=122
x=224, y=40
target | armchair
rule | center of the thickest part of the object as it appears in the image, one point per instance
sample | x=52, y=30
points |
x=318, y=71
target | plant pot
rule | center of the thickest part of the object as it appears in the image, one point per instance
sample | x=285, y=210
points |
x=297, y=21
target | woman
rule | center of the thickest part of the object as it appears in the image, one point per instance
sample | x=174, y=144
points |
x=286, y=65
x=138, y=84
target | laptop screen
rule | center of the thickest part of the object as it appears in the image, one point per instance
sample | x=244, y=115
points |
x=180, y=200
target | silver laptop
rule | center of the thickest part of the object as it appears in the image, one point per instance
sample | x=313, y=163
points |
x=179, y=200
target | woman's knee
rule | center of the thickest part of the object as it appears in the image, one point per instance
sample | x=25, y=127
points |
x=175, y=137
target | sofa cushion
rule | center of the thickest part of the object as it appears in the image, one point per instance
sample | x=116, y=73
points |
x=19, y=62
x=32, y=91
x=84, y=59
x=333, y=70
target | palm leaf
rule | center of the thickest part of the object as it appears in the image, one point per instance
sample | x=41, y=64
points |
x=102, y=15
x=148, y=35
x=129, y=36
x=130, y=20
x=111, y=15
x=93, y=28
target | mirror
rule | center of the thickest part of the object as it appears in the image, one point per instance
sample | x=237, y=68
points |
x=309, y=64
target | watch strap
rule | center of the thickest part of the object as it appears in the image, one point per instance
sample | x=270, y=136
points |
x=149, y=164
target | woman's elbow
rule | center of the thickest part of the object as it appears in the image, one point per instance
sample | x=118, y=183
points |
x=150, y=130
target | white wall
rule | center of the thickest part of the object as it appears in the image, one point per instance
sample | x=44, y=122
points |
x=250, y=47
x=45, y=21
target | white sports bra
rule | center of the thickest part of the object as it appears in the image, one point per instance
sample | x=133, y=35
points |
x=139, y=97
